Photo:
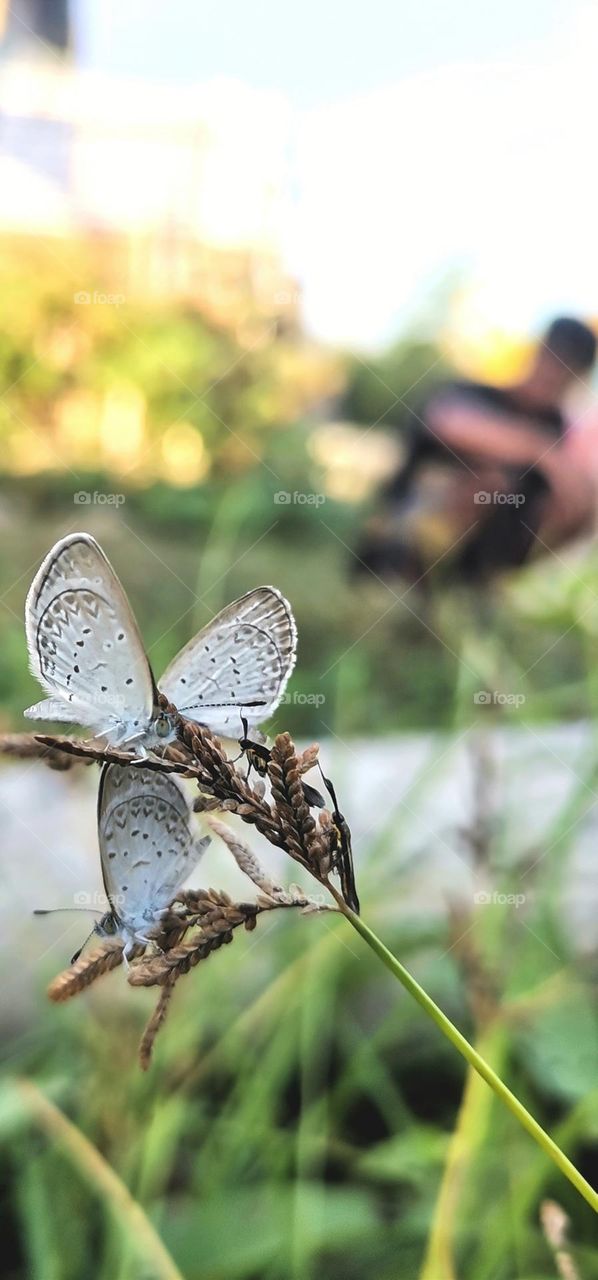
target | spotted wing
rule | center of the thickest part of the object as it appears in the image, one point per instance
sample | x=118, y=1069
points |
x=84, y=644
x=147, y=849
x=244, y=656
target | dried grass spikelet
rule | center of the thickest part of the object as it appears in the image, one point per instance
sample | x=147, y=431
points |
x=204, y=906
x=555, y=1225
x=249, y=864
x=154, y=1025
x=308, y=759
x=172, y=927
x=302, y=838
x=85, y=970
x=217, y=917
x=287, y=822
x=205, y=803
x=29, y=746
x=85, y=751
x=218, y=777
x=327, y=831
x=246, y=860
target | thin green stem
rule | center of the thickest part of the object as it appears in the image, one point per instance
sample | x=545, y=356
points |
x=471, y=1055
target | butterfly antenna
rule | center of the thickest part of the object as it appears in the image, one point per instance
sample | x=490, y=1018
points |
x=50, y=911
x=75, y=957
x=212, y=705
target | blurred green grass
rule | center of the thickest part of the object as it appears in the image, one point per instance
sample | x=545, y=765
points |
x=299, y=1116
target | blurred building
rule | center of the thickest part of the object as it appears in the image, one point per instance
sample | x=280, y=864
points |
x=183, y=191
x=23, y=22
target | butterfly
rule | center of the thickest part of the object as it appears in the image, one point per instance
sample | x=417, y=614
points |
x=87, y=653
x=147, y=850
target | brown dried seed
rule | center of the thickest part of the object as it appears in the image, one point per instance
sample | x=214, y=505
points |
x=154, y=1025
x=85, y=970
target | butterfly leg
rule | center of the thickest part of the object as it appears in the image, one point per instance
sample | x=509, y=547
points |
x=142, y=937
x=119, y=736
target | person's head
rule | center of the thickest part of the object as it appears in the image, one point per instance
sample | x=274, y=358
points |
x=566, y=352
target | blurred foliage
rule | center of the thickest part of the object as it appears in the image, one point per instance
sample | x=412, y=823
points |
x=385, y=389
x=90, y=379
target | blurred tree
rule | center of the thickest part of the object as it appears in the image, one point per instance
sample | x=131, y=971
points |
x=89, y=379
x=385, y=388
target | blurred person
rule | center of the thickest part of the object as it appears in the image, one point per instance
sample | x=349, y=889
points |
x=491, y=472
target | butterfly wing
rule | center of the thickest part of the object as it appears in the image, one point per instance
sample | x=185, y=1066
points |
x=147, y=849
x=245, y=655
x=84, y=645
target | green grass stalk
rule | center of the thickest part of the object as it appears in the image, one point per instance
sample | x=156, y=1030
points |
x=471, y=1055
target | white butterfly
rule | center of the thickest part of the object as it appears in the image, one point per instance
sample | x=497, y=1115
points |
x=86, y=651
x=147, y=849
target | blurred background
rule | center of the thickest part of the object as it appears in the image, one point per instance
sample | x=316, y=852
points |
x=242, y=250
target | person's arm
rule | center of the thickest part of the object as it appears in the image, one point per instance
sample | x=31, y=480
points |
x=481, y=433
x=494, y=440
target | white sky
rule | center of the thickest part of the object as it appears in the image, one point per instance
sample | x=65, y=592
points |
x=429, y=142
